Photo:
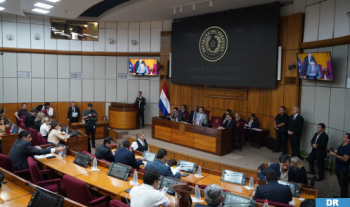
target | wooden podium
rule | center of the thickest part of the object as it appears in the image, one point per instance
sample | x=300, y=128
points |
x=124, y=116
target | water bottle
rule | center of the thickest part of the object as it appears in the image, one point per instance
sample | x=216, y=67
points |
x=197, y=191
x=94, y=163
x=251, y=181
x=67, y=130
x=177, y=120
x=256, y=186
x=199, y=170
x=266, y=203
x=269, y=163
x=60, y=154
x=135, y=177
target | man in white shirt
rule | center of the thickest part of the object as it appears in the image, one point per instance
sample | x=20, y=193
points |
x=140, y=144
x=146, y=195
x=48, y=110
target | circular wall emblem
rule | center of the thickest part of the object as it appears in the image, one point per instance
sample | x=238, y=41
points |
x=213, y=44
x=182, y=128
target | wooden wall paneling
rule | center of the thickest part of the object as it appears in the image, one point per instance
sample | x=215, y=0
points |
x=11, y=109
x=253, y=100
x=212, y=166
x=231, y=104
x=198, y=161
x=171, y=155
x=223, y=167
x=217, y=112
x=175, y=95
x=277, y=95
x=29, y=106
x=54, y=106
x=294, y=30
x=219, y=103
x=265, y=101
x=264, y=121
x=82, y=107
x=100, y=108
x=63, y=112
x=165, y=43
x=272, y=129
x=197, y=96
x=186, y=97
x=242, y=105
x=181, y=157
x=208, y=102
x=290, y=60
x=283, y=32
x=211, y=112
x=291, y=98
x=244, y=115
x=164, y=62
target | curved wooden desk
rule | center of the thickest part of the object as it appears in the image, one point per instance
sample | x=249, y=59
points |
x=124, y=116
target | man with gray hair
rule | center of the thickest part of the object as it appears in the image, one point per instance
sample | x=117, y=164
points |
x=295, y=126
x=213, y=196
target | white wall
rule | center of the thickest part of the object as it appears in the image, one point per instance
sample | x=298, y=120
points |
x=50, y=73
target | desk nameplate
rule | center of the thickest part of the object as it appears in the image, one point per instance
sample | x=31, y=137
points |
x=225, y=93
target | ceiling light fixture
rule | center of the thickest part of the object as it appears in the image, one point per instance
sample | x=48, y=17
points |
x=194, y=7
x=85, y=25
x=210, y=4
x=180, y=9
x=54, y=1
x=174, y=10
x=2, y=8
x=2, y=1
x=40, y=11
x=42, y=5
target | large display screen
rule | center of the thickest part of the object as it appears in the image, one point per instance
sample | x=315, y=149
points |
x=147, y=67
x=230, y=48
x=315, y=66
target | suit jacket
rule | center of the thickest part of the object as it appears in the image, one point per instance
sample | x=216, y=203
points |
x=142, y=104
x=231, y=125
x=301, y=176
x=322, y=141
x=21, y=150
x=124, y=156
x=255, y=123
x=103, y=152
x=192, y=116
x=306, y=62
x=70, y=111
x=179, y=116
x=296, y=125
x=315, y=76
x=202, y=205
x=277, y=168
x=162, y=169
x=183, y=112
x=203, y=119
x=30, y=120
x=137, y=64
x=37, y=125
x=273, y=191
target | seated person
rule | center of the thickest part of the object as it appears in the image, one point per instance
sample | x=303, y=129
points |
x=141, y=68
x=23, y=148
x=141, y=143
x=183, y=109
x=30, y=118
x=313, y=71
x=37, y=121
x=47, y=110
x=213, y=196
x=45, y=127
x=147, y=195
x=22, y=112
x=230, y=123
x=55, y=135
x=300, y=176
x=171, y=163
x=104, y=151
x=273, y=191
x=159, y=165
x=228, y=111
x=252, y=122
x=176, y=115
x=282, y=169
x=194, y=113
x=238, y=117
x=201, y=117
x=308, y=203
x=124, y=156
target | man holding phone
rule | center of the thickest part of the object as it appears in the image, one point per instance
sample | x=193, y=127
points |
x=142, y=102
x=90, y=117
x=342, y=163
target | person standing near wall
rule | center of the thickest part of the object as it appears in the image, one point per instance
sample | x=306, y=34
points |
x=295, y=125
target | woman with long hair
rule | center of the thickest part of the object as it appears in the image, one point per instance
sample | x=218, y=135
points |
x=54, y=134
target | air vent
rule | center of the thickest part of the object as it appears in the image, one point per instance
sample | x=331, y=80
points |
x=24, y=74
x=290, y=80
x=76, y=75
x=122, y=76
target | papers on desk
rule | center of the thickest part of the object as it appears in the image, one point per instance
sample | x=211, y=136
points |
x=301, y=199
x=144, y=163
x=291, y=203
x=194, y=200
x=95, y=169
x=248, y=188
x=174, y=170
x=247, y=125
x=257, y=129
x=198, y=176
x=41, y=156
x=132, y=183
x=68, y=136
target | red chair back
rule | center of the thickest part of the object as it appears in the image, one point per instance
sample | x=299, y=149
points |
x=115, y=203
x=207, y=112
x=273, y=203
x=41, y=140
x=88, y=153
x=6, y=163
x=34, y=133
x=185, y=116
x=24, y=118
x=240, y=129
x=22, y=125
x=216, y=121
x=77, y=190
x=34, y=171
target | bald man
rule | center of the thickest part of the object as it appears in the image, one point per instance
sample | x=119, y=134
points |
x=295, y=125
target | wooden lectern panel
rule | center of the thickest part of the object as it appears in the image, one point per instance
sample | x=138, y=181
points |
x=124, y=116
x=163, y=133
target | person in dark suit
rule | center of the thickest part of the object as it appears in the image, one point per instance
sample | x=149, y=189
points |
x=137, y=64
x=160, y=166
x=104, y=151
x=230, y=123
x=319, y=146
x=183, y=109
x=308, y=203
x=300, y=176
x=176, y=114
x=124, y=156
x=295, y=125
x=273, y=191
x=30, y=118
x=213, y=196
x=307, y=60
x=281, y=122
x=23, y=148
x=228, y=111
x=282, y=169
x=73, y=114
x=253, y=123
x=142, y=102
x=193, y=114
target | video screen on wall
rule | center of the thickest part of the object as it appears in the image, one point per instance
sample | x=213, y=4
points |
x=315, y=66
x=231, y=48
x=143, y=67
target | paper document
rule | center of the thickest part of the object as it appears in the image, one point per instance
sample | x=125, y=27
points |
x=75, y=114
x=248, y=188
x=198, y=176
x=194, y=200
x=41, y=156
x=257, y=129
x=174, y=170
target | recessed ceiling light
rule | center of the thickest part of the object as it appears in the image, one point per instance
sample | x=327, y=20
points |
x=42, y=5
x=54, y=1
x=2, y=8
x=40, y=11
x=2, y=1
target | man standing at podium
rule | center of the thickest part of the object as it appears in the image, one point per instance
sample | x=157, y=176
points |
x=142, y=102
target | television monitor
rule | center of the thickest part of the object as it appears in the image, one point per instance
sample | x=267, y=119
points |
x=167, y=182
x=119, y=171
x=149, y=156
x=82, y=159
x=294, y=187
x=143, y=67
x=315, y=66
x=186, y=166
x=233, y=177
x=42, y=197
x=233, y=200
